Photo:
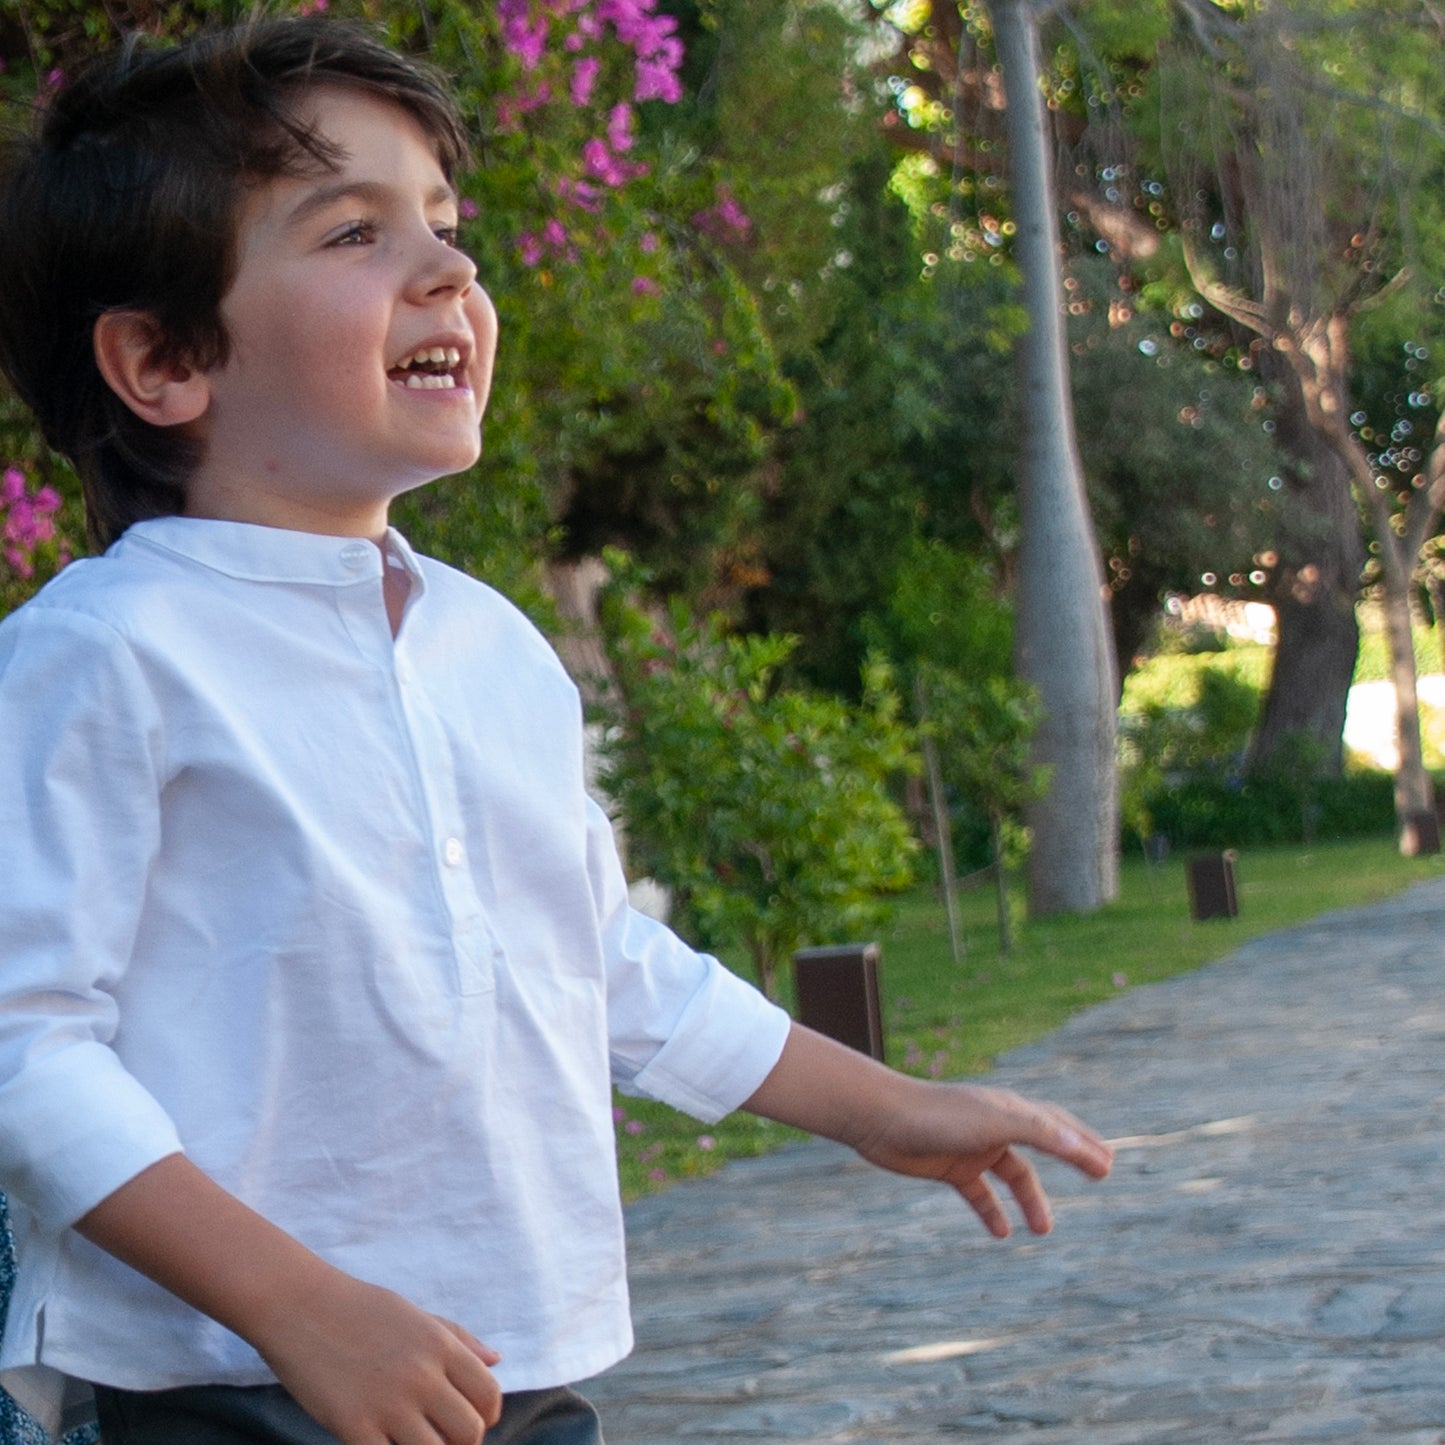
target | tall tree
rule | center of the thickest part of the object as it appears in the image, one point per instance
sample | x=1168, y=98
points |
x=1320, y=127
x=976, y=108
x=1061, y=637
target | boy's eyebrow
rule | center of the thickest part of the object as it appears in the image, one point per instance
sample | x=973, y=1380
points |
x=371, y=193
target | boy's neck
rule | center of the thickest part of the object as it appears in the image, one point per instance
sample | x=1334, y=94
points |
x=368, y=521
x=395, y=588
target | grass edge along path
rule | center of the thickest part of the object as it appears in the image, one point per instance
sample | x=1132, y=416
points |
x=947, y=1020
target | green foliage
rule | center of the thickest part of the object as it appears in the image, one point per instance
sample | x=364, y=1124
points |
x=1173, y=679
x=766, y=809
x=946, y=628
x=985, y=726
x=949, y=631
x=1205, y=812
x=1176, y=456
x=1373, y=662
x=945, y=609
x=1186, y=719
x=1184, y=727
x=776, y=112
x=845, y=490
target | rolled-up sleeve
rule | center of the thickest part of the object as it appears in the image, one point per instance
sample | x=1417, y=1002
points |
x=80, y=748
x=683, y=1029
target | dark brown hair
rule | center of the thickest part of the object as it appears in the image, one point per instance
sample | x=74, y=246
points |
x=125, y=196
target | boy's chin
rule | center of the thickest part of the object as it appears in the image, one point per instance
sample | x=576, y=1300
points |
x=445, y=472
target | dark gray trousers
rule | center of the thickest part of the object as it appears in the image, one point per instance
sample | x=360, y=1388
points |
x=267, y=1415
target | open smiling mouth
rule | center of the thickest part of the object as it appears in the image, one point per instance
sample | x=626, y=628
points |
x=433, y=368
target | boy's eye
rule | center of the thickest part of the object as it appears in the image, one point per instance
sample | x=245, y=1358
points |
x=450, y=234
x=358, y=233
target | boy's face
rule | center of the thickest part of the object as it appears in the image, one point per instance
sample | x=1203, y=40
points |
x=361, y=346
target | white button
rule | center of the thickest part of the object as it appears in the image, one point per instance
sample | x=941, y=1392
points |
x=453, y=851
x=354, y=555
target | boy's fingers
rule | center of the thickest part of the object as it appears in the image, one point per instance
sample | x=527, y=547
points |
x=1024, y=1185
x=1063, y=1136
x=427, y=1432
x=984, y=1203
x=456, y=1422
x=485, y=1353
x=478, y=1388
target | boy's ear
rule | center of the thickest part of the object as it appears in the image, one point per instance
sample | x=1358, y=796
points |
x=129, y=355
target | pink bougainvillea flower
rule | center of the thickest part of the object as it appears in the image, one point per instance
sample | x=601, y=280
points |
x=26, y=520
x=730, y=213
x=596, y=158
x=582, y=194
x=619, y=128
x=657, y=81
x=725, y=219
x=646, y=286
x=523, y=35
x=584, y=80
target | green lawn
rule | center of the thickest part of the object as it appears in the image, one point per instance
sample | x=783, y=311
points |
x=945, y=1020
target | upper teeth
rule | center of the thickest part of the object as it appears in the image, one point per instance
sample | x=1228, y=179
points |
x=431, y=356
x=448, y=355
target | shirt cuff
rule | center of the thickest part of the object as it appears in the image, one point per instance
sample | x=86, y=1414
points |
x=76, y=1127
x=725, y=1044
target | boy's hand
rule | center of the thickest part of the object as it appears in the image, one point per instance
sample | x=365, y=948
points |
x=371, y=1367
x=956, y=1133
x=961, y=1133
x=375, y=1370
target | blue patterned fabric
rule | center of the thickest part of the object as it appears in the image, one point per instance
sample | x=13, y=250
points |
x=16, y=1427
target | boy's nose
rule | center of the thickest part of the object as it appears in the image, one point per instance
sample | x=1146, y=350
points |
x=443, y=268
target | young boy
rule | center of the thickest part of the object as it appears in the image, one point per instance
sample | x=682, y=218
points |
x=315, y=959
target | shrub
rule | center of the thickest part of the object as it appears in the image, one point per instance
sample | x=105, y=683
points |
x=1203, y=812
x=767, y=810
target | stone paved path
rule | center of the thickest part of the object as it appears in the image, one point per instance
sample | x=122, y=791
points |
x=1267, y=1262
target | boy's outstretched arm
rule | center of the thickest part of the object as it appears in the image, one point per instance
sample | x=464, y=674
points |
x=956, y=1133
x=368, y=1365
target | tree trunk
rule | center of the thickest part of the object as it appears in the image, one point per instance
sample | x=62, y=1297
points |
x=1400, y=549
x=1313, y=586
x=942, y=828
x=1000, y=887
x=1435, y=586
x=1062, y=641
x=1414, y=790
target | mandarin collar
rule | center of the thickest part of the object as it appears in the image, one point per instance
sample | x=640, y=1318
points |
x=272, y=554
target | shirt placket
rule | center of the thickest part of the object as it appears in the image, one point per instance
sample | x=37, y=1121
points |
x=476, y=949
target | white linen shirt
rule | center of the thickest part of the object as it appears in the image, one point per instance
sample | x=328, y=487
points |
x=331, y=912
